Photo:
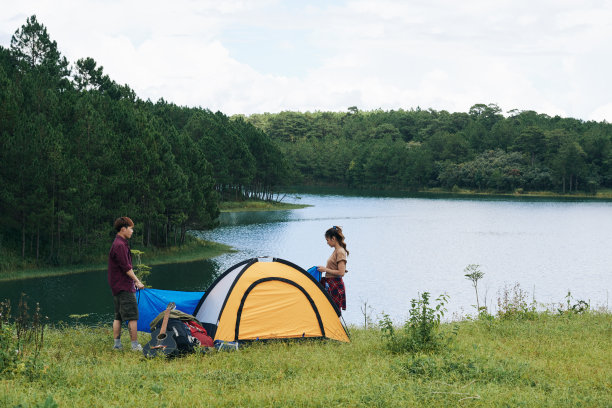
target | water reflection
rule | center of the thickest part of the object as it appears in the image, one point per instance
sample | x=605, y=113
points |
x=190, y=276
x=89, y=294
x=254, y=217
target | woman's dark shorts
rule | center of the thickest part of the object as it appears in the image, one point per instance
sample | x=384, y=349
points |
x=126, y=307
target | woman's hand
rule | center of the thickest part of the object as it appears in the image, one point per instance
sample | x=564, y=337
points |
x=321, y=269
x=333, y=272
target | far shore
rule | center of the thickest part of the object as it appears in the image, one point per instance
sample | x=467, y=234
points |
x=601, y=194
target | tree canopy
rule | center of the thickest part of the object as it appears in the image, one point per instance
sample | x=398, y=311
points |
x=418, y=149
x=79, y=150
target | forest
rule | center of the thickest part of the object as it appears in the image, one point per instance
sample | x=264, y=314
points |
x=78, y=149
x=481, y=150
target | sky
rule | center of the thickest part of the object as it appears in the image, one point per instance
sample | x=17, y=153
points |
x=245, y=57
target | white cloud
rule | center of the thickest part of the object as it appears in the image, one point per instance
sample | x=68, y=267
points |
x=243, y=57
x=602, y=113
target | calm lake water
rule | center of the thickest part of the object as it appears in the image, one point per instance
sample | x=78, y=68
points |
x=399, y=247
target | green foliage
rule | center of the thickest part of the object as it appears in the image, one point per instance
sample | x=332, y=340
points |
x=141, y=270
x=366, y=311
x=78, y=150
x=579, y=307
x=465, y=368
x=421, y=332
x=474, y=274
x=21, y=341
x=418, y=149
x=48, y=403
x=512, y=304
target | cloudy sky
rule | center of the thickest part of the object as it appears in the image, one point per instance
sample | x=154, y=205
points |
x=241, y=56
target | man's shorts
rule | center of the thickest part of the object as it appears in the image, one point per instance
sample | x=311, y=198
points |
x=126, y=307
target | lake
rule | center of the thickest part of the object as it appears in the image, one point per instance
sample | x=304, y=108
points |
x=399, y=247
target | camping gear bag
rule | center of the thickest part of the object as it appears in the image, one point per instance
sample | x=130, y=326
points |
x=181, y=334
x=199, y=333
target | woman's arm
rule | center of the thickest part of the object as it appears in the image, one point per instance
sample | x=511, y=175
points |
x=334, y=272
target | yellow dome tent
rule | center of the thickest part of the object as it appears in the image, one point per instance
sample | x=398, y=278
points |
x=268, y=298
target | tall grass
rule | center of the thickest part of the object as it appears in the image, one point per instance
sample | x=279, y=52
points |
x=553, y=360
x=559, y=357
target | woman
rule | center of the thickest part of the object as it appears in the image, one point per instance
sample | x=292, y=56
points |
x=336, y=267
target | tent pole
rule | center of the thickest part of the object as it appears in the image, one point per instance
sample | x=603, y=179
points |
x=345, y=326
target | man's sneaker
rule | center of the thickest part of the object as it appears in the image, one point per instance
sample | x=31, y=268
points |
x=137, y=348
x=117, y=347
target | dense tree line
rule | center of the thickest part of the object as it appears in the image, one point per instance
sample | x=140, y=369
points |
x=78, y=150
x=417, y=149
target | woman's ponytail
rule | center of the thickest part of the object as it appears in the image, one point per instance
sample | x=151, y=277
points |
x=336, y=232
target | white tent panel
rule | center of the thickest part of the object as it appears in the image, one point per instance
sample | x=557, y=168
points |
x=211, y=308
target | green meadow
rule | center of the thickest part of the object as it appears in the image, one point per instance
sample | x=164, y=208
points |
x=544, y=359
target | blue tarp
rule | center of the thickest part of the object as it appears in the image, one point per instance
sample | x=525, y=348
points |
x=152, y=302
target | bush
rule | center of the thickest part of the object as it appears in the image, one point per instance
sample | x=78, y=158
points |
x=579, y=307
x=421, y=333
x=21, y=340
x=141, y=270
x=512, y=304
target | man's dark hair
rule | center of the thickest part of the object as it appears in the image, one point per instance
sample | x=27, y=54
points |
x=123, y=222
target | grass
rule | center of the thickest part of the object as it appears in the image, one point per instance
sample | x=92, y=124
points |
x=550, y=361
x=257, y=205
x=194, y=249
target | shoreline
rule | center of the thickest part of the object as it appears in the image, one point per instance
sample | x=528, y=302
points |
x=196, y=250
x=256, y=205
x=199, y=250
x=602, y=195
x=437, y=192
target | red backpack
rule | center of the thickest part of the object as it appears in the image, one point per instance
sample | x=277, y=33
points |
x=199, y=333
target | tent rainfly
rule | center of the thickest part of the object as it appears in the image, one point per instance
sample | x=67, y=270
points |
x=268, y=298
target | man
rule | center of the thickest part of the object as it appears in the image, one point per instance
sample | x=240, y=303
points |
x=123, y=283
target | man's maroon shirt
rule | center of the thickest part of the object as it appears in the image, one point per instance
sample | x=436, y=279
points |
x=119, y=263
